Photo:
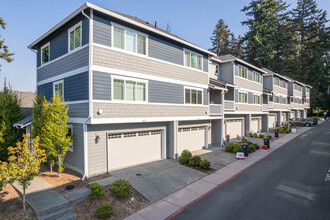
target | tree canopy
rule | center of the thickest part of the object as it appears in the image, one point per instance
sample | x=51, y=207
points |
x=4, y=52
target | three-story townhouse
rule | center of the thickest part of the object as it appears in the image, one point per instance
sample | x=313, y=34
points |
x=135, y=92
x=279, y=107
x=295, y=92
x=243, y=98
x=306, y=99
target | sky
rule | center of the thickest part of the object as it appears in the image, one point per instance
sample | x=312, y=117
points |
x=192, y=20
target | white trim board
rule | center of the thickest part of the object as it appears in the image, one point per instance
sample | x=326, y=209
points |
x=245, y=113
x=150, y=119
x=147, y=103
x=144, y=76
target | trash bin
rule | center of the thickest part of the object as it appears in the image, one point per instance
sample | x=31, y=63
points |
x=245, y=149
x=315, y=122
x=266, y=142
x=276, y=132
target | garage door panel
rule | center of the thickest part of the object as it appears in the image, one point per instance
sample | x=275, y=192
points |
x=191, y=138
x=126, y=149
x=234, y=127
x=255, y=125
x=272, y=121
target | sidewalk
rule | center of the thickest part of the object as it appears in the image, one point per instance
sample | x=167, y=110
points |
x=176, y=202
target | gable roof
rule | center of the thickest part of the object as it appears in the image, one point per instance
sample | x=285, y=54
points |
x=269, y=72
x=124, y=17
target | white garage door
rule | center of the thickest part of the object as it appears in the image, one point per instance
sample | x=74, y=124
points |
x=191, y=139
x=283, y=118
x=127, y=149
x=272, y=121
x=234, y=127
x=255, y=125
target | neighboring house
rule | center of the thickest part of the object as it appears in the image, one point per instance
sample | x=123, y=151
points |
x=27, y=100
x=244, y=111
x=135, y=92
x=279, y=100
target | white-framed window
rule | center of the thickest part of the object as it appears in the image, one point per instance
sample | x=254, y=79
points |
x=130, y=40
x=217, y=70
x=297, y=87
x=193, y=96
x=45, y=53
x=193, y=60
x=256, y=99
x=283, y=84
x=256, y=77
x=70, y=133
x=283, y=100
x=242, y=72
x=277, y=99
x=129, y=89
x=242, y=97
x=75, y=35
x=276, y=81
x=58, y=88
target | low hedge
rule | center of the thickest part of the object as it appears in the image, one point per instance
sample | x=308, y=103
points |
x=205, y=164
x=121, y=188
x=104, y=210
x=97, y=191
x=195, y=160
x=185, y=157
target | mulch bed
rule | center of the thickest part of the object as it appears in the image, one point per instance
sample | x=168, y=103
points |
x=123, y=207
x=11, y=205
x=208, y=172
x=67, y=177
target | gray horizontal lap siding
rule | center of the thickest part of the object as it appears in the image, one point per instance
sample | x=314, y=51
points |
x=101, y=86
x=78, y=110
x=71, y=62
x=236, y=95
x=59, y=40
x=102, y=31
x=250, y=97
x=75, y=159
x=206, y=97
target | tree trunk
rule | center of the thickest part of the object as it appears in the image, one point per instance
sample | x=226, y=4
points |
x=59, y=166
x=24, y=199
x=51, y=168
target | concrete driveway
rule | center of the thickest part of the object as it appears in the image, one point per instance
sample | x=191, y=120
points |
x=158, y=179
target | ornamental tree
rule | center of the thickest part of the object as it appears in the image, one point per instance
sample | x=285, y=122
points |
x=24, y=162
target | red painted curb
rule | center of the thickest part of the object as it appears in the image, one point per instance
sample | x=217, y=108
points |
x=218, y=186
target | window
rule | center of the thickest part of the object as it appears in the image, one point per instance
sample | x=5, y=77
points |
x=242, y=97
x=75, y=37
x=129, y=40
x=193, y=60
x=283, y=100
x=283, y=84
x=70, y=134
x=129, y=90
x=193, y=96
x=45, y=54
x=217, y=69
x=256, y=77
x=58, y=88
x=277, y=81
x=242, y=72
x=297, y=87
x=256, y=99
x=277, y=99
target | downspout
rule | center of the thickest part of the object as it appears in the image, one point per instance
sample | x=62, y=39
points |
x=90, y=100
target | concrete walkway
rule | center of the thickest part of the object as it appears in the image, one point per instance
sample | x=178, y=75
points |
x=173, y=203
x=37, y=185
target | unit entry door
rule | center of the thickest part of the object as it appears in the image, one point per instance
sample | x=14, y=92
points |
x=283, y=118
x=234, y=127
x=255, y=125
x=291, y=115
x=131, y=148
x=272, y=121
x=192, y=138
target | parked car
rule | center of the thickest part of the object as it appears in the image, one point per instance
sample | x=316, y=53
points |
x=301, y=122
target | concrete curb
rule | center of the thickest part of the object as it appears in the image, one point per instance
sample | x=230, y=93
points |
x=175, y=203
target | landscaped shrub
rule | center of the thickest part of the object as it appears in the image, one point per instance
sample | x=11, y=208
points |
x=269, y=137
x=185, y=157
x=251, y=148
x=315, y=118
x=256, y=146
x=205, y=164
x=195, y=160
x=104, y=210
x=238, y=137
x=250, y=134
x=255, y=135
x=97, y=191
x=261, y=135
x=237, y=148
x=281, y=130
x=121, y=188
x=244, y=140
x=229, y=147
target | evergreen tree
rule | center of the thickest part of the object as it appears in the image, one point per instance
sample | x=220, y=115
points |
x=236, y=46
x=221, y=38
x=4, y=52
x=263, y=41
x=10, y=113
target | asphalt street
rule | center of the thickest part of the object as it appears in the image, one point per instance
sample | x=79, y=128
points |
x=291, y=183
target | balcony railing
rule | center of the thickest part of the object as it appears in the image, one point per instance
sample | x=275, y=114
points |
x=229, y=105
x=265, y=107
x=216, y=109
x=271, y=105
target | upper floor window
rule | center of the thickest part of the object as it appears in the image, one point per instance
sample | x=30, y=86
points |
x=283, y=84
x=297, y=87
x=45, y=54
x=256, y=77
x=283, y=100
x=256, y=99
x=242, y=72
x=242, y=97
x=277, y=99
x=193, y=96
x=75, y=37
x=307, y=90
x=129, y=40
x=193, y=60
x=58, y=88
x=217, y=70
x=277, y=81
x=129, y=90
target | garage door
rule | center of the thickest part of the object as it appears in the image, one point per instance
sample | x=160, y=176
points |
x=291, y=115
x=234, y=127
x=192, y=138
x=283, y=118
x=272, y=121
x=130, y=148
x=255, y=125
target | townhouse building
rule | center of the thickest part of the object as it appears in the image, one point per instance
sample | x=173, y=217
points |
x=296, y=100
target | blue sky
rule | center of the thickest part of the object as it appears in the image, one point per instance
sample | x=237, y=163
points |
x=193, y=20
